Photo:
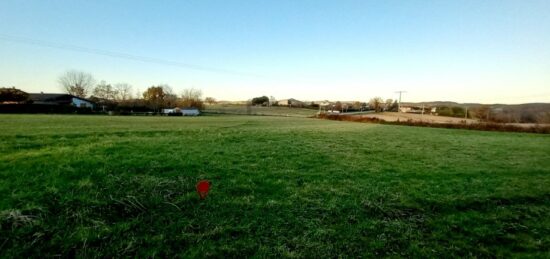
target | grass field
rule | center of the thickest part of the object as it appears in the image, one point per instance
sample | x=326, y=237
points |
x=100, y=186
x=261, y=110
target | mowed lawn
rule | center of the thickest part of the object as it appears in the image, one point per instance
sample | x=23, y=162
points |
x=100, y=186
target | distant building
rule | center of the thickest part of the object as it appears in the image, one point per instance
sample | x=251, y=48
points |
x=412, y=109
x=190, y=112
x=61, y=99
x=184, y=111
x=290, y=102
x=324, y=103
x=405, y=109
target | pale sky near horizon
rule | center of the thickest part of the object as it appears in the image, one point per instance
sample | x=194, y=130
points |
x=493, y=51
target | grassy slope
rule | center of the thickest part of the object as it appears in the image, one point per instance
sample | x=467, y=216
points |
x=259, y=110
x=90, y=186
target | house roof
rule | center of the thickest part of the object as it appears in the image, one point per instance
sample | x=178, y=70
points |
x=289, y=100
x=45, y=97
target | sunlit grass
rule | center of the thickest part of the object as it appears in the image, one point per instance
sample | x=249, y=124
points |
x=111, y=186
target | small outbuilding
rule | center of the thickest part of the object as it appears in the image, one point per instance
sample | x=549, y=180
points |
x=181, y=111
x=290, y=103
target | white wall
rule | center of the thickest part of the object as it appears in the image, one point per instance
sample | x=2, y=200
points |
x=81, y=103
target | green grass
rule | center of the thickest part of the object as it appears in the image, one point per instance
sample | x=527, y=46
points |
x=93, y=186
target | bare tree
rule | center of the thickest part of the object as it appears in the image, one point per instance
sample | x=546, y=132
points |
x=543, y=117
x=191, y=93
x=170, y=98
x=123, y=91
x=480, y=112
x=105, y=91
x=76, y=82
x=192, y=98
x=167, y=89
x=210, y=100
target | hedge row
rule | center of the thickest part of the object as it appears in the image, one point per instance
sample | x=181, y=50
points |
x=469, y=126
x=43, y=108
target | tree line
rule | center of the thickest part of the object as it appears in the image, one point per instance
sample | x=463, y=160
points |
x=115, y=97
x=119, y=96
x=376, y=104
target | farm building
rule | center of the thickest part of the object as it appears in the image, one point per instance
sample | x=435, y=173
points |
x=184, y=111
x=290, y=102
x=418, y=109
x=60, y=99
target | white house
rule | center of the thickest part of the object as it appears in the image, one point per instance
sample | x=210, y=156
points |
x=184, y=111
x=190, y=112
x=290, y=102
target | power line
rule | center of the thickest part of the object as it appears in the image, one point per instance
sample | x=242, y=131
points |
x=121, y=55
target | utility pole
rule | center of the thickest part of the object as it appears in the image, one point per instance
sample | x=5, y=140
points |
x=422, y=109
x=399, y=104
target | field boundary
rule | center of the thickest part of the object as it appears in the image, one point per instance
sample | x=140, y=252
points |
x=483, y=126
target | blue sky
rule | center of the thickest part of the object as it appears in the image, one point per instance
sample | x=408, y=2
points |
x=465, y=51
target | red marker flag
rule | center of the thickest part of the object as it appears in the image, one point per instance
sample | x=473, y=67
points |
x=202, y=188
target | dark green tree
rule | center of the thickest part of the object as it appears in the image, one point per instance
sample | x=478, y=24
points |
x=262, y=100
x=13, y=95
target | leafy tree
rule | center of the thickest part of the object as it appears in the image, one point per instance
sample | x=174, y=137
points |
x=444, y=111
x=170, y=100
x=13, y=95
x=154, y=96
x=395, y=106
x=77, y=83
x=262, y=100
x=387, y=104
x=376, y=104
x=345, y=107
x=357, y=106
x=337, y=106
x=458, y=111
x=272, y=101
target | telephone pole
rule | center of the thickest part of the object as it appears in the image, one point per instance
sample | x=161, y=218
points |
x=399, y=104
